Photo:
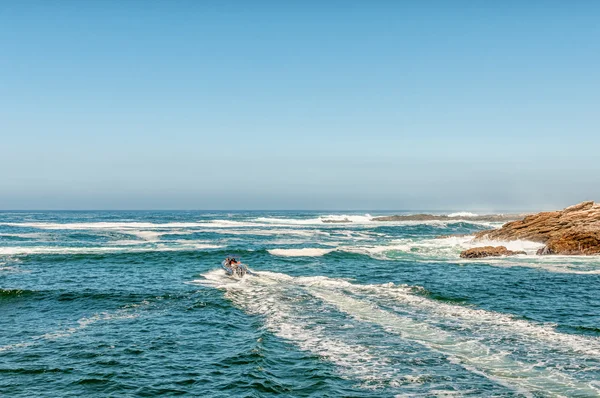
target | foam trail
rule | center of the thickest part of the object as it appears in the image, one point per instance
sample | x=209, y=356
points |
x=81, y=324
x=497, y=329
x=268, y=296
x=481, y=320
x=478, y=320
x=470, y=353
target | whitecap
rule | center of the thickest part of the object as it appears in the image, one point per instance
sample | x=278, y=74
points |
x=463, y=214
x=304, y=252
x=18, y=250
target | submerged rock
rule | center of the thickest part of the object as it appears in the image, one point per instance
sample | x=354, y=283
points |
x=572, y=231
x=489, y=251
x=344, y=221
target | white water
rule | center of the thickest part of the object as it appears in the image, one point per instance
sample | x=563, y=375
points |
x=305, y=252
x=24, y=250
x=356, y=237
x=462, y=214
x=472, y=338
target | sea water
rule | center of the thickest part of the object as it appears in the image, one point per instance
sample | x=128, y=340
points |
x=136, y=304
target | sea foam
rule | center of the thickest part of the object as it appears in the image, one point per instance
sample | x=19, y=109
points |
x=305, y=252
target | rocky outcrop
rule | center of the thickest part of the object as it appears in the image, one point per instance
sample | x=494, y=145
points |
x=575, y=242
x=488, y=251
x=434, y=217
x=572, y=231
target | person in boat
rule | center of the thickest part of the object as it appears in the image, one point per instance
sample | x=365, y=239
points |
x=234, y=264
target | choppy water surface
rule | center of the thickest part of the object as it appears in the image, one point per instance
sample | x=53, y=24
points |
x=134, y=303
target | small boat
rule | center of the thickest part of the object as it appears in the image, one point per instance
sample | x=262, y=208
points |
x=234, y=267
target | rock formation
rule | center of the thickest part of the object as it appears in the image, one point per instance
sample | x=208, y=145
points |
x=576, y=242
x=572, y=231
x=488, y=251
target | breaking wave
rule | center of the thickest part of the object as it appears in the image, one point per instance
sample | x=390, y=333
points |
x=463, y=214
x=12, y=251
x=305, y=252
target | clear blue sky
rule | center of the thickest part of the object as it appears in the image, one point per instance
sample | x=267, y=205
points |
x=299, y=104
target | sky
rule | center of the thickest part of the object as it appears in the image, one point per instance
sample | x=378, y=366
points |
x=462, y=105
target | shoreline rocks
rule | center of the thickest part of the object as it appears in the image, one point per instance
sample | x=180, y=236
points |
x=573, y=243
x=488, y=251
x=572, y=231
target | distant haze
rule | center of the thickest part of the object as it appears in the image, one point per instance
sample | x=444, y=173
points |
x=299, y=105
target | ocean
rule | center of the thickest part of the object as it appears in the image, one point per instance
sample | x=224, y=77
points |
x=135, y=303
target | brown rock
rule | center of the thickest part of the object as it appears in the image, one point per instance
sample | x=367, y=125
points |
x=575, y=242
x=488, y=251
x=574, y=230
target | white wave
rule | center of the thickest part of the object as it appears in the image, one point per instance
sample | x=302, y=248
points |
x=21, y=250
x=103, y=225
x=326, y=219
x=515, y=245
x=127, y=242
x=231, y=224
x=448, y=248
x=305, y=252
x=29, y=235
x=462, y=214
x=271, y=232
x=147, y=235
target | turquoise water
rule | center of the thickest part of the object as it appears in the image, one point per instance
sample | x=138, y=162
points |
x=135, y=304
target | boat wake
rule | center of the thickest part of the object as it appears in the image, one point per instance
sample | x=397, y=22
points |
x=335, y=319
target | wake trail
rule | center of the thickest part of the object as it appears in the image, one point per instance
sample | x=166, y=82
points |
x=489, y=344
x=498, y=366
x=293, y=315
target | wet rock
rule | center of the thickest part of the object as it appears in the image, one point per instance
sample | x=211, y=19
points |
x=544, y=251
x=577, y=242
x=344, y=221
x=489, y=251
x=572, y=231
